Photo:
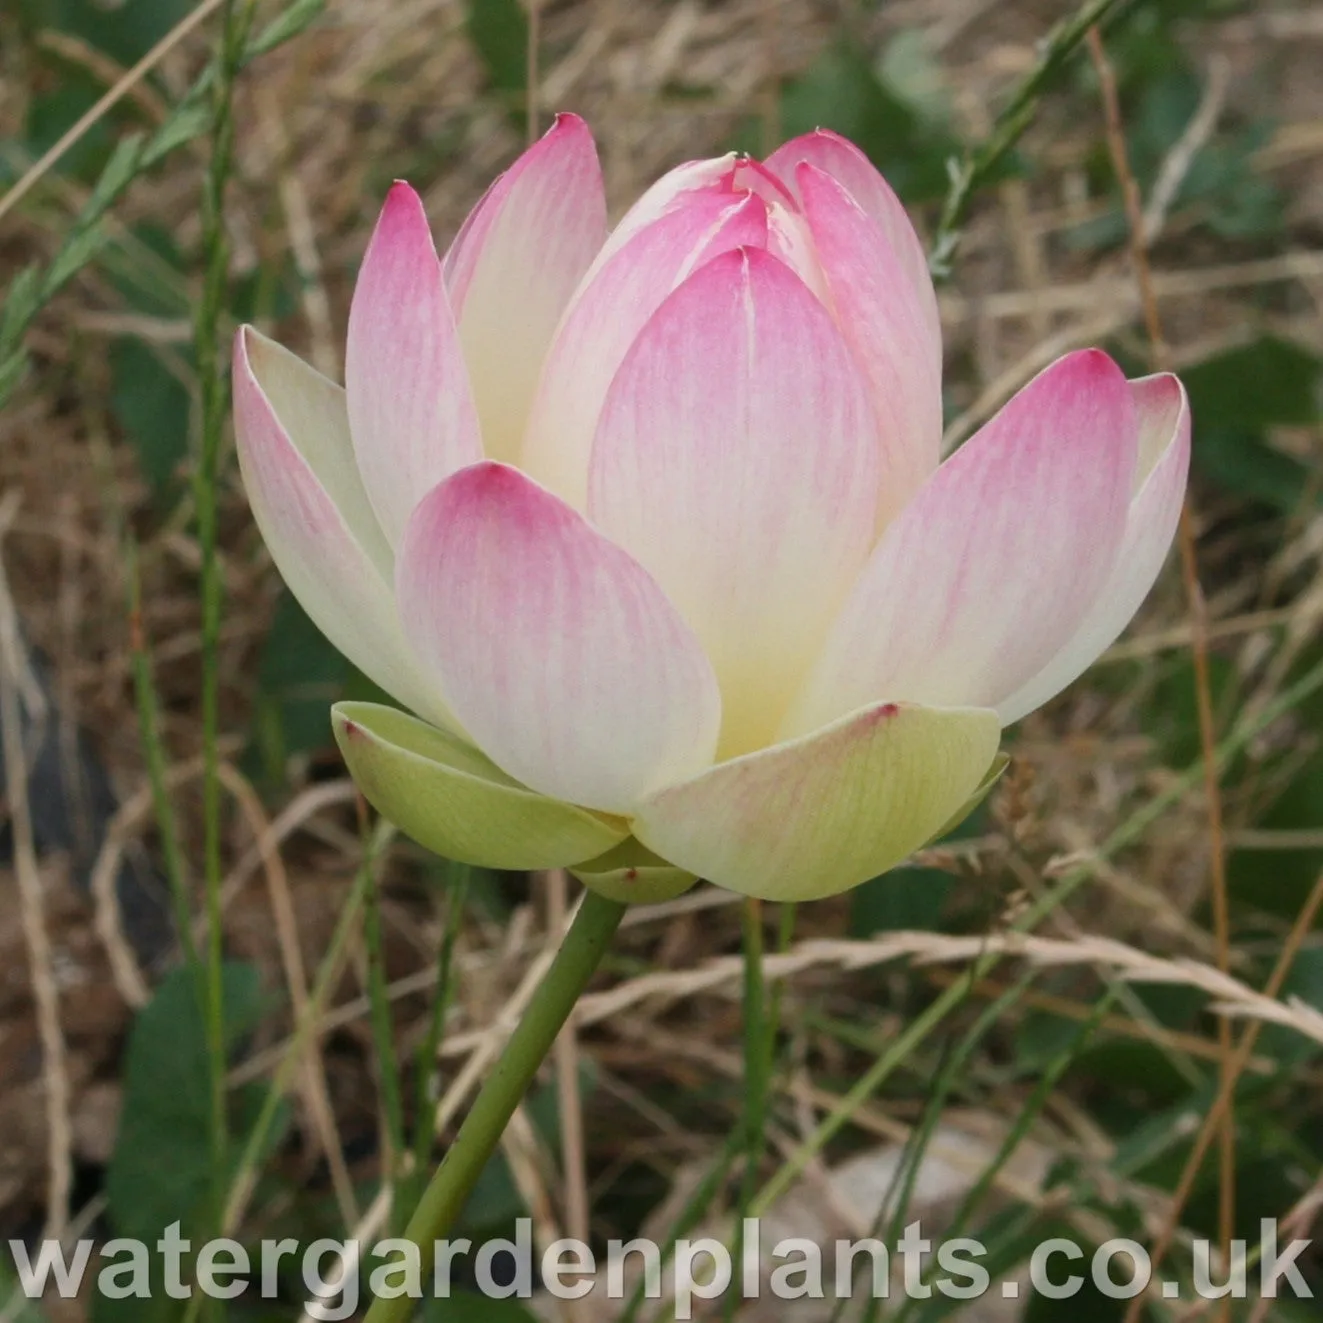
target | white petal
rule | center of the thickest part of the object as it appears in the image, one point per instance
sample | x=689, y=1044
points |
x=298, y=470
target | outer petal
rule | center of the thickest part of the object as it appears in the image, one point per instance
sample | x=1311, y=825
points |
x=298, y=469
x=1000, y=763
x=887, y=324
x=737, y=461
x=632, y=874
x=1155, y=511
x=571, y=669
x=992, y=566
x=410, y=409
x=513, y=267
x=821, y=814
x=841, y=159
x=608, y=314
x=451, y=799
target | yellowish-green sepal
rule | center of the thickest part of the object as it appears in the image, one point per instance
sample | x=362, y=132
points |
x=632, y=874
x=999, y=764
x=452, y=799
x=816, y=815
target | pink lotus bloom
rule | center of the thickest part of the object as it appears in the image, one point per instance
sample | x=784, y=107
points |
x=652, y=531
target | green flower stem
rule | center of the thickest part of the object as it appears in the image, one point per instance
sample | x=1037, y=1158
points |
x=579, y=955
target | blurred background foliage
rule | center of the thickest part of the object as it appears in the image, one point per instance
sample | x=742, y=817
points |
x=1092, y=1084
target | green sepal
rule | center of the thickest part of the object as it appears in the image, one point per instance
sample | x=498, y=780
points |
x=632, y=874
x=990, y=778
x=454, y=800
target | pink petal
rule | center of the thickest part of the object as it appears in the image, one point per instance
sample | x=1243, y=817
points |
x=608, y=314
x=1155, y=512
x=846, y=164
x=513, y=267
x=298, y=469
x=790, y=241
x=573, y=672
x=410, y=410
x=675, y=190
x=990, y=569
x=818, y=815
x=886, y=323
x=736, y=460
x=757, y=178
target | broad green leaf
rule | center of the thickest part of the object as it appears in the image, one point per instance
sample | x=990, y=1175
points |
x=841, y=91
x=125, y=31
x=25, y=1311
x=151, y=404
x=499, y=31
x=300, y=674
x=160, y=1171
x=52, y=113
x=1171, y=714
x=473, y=1307
x=1238, y=461
x=1267, y=382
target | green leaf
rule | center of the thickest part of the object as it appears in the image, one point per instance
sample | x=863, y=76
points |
x=12, y=369
x=1268, y=382
x=160, y=1171
x=288, y=24
x=28, y=1310
x=841, y=91
x=151, y=404
x=472, y=1307
x=1241, y=462
x=1171, y=714
x=909, y=69
x=188, y=120
x=125, y=31
x=903, y=899
x=1305, y=982
x=118, y=171
x=300, y=674
x=499, y=32
x=79, y=249
x=52, y=113
x=22, y=300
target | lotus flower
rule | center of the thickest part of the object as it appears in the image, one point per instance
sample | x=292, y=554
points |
x=651, y=532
